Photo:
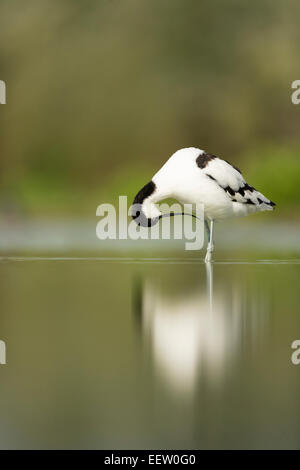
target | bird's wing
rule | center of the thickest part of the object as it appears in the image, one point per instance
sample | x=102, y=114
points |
x=231, y=180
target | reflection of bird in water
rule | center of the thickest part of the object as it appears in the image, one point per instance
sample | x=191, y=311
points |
x=196, y=177
x=200, y=333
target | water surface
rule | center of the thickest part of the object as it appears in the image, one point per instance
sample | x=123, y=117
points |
x=149, y=353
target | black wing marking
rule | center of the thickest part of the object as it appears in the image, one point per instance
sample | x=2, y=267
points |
x=245, y=194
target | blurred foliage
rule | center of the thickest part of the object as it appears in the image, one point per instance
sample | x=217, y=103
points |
x=101, y=92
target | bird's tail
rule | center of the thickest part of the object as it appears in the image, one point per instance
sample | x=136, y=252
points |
x=261, y=202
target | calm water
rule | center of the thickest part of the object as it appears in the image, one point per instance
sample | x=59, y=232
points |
x=158, y=353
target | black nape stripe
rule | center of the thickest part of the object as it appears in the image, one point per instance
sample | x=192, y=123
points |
x=203, y=159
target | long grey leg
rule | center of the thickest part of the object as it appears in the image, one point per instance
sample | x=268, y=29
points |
x=207, y=229
x=209, y=282
x=210, y=246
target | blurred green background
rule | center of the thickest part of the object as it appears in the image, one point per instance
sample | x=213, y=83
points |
x=101, y=93
x=146, y=352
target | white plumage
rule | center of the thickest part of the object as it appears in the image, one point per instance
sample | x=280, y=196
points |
x=193, y=176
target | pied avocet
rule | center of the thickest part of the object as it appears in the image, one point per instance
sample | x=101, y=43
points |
x=194, y=176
